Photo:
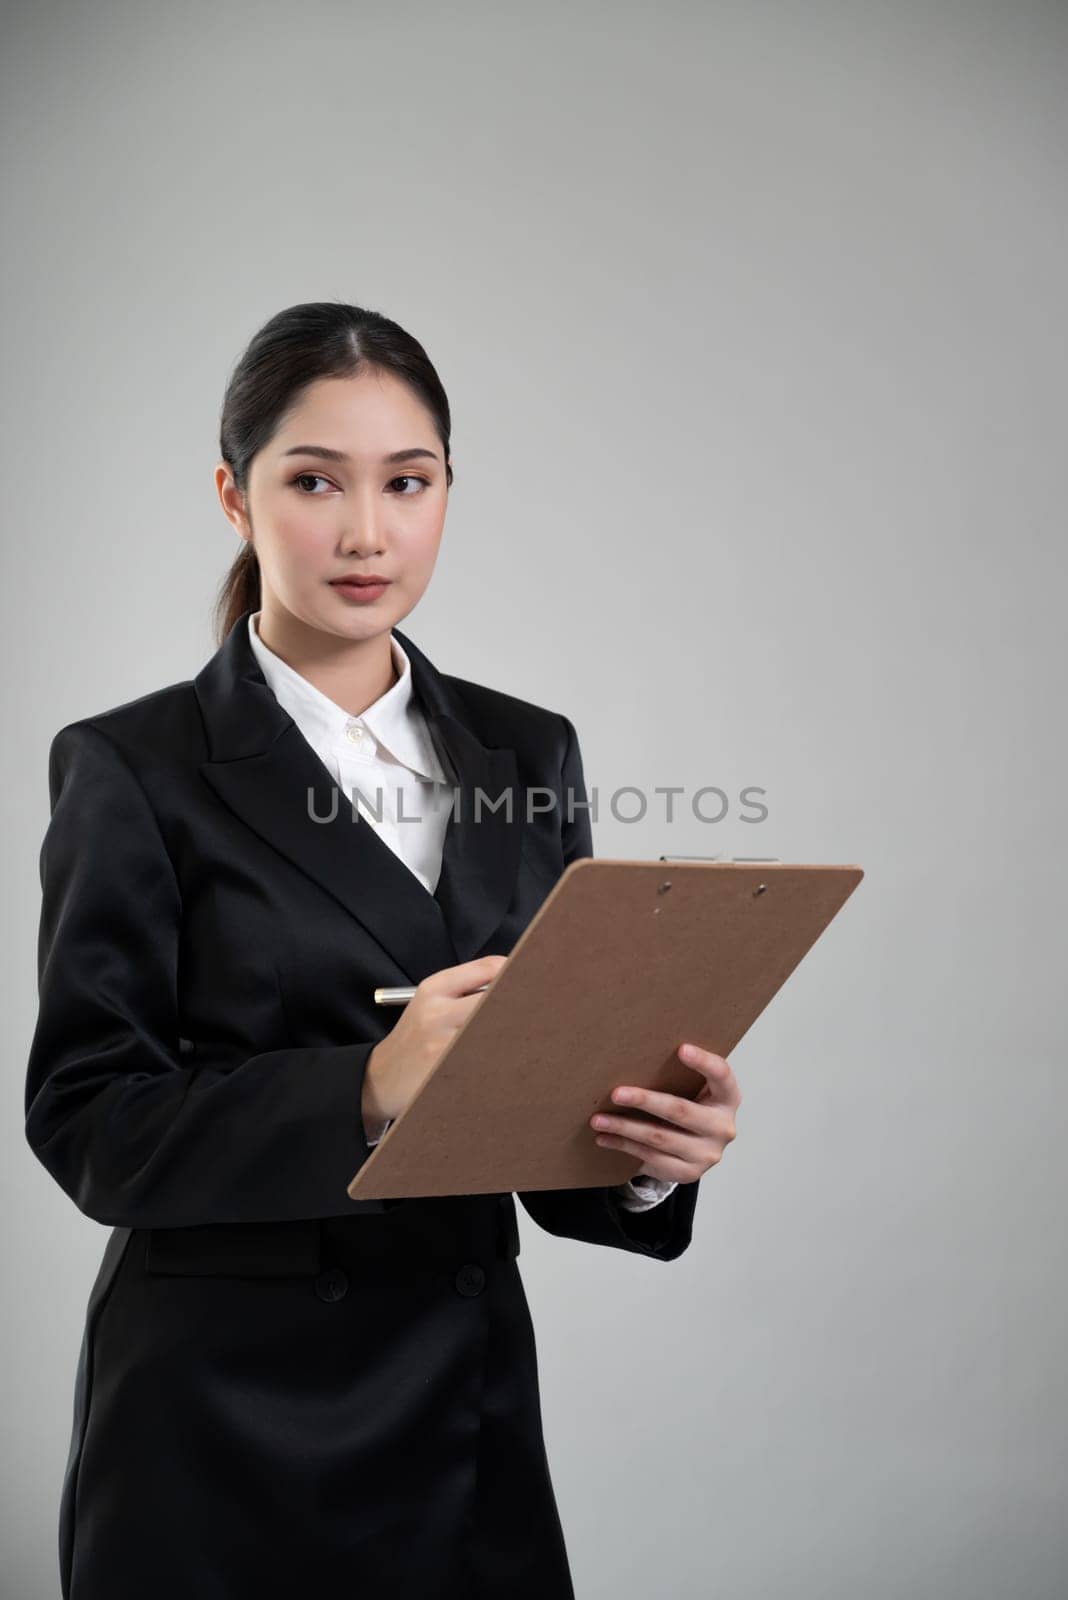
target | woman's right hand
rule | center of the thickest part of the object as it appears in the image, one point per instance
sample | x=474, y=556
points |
x=400, y=1064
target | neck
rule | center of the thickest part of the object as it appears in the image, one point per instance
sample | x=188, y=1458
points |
x=353, y=673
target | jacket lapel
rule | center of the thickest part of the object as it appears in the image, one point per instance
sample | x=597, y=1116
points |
x=265, y=771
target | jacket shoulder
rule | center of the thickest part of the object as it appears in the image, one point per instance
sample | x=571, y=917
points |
x=156, y=720
x=506, y=719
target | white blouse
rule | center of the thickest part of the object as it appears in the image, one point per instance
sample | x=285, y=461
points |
x=385, y=761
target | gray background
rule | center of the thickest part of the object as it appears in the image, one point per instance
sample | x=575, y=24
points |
x=752, y=319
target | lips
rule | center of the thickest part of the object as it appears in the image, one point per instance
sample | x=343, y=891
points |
x=359, y=583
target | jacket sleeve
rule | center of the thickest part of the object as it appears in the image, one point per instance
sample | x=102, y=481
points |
x=136, y=1136
x=598, y=1215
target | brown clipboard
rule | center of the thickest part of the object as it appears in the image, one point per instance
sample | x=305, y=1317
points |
x=623, y=961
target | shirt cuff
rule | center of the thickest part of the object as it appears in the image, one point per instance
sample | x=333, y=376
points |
x=644, y=1192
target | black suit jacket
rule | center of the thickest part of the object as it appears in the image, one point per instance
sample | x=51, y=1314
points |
x=207, y=957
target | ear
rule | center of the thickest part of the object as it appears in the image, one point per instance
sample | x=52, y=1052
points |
x=232, y=500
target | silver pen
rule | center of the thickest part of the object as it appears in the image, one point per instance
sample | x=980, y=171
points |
x=400, y=996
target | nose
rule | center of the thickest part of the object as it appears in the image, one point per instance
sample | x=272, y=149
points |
x=363, y=528
x=362, y=538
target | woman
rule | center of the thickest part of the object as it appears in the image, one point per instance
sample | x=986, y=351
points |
x=281, y=1389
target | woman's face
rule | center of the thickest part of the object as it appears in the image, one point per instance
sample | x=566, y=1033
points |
x=313, y=519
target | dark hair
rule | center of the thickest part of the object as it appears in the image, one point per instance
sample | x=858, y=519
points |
x=320, y=339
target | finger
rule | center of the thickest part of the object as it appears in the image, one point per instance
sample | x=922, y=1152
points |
x=659, y=1136
x=674, y=1108
x=469, y=975
x=716, y=1070
x=454, y=1010
x=661, y=1164
x=698, y=1118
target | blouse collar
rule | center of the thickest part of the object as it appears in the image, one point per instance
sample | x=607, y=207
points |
x=393, y=720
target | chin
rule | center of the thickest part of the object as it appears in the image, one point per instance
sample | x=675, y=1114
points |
x=360, y=622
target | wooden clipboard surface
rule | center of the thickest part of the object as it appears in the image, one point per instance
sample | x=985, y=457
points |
x=606, y=981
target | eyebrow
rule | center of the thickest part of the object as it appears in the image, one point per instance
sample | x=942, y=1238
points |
x=324, y=453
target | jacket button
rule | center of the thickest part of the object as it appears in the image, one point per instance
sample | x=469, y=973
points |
x=470, y=1279
x=332, y=1284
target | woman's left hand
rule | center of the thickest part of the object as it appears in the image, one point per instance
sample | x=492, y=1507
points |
x=690, y=1135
